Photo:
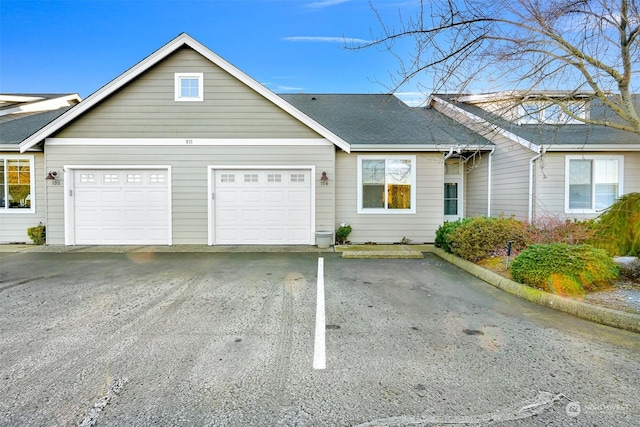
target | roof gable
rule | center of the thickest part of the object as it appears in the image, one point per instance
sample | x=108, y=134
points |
x=158, y=56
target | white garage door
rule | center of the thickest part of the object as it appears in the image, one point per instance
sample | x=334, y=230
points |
x=262, y=207
x=121, y=207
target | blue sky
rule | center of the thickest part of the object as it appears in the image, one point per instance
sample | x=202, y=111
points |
x=289, y=46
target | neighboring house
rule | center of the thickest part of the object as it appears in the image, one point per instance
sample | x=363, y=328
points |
x=184, y=148
x=545, y=164
x=22, y=175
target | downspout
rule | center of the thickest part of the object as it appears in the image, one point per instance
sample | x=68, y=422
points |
x=449, y=154
x=493, y=149
x=531, y=170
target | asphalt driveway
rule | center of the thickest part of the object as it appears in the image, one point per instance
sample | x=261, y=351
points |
x=228, y=339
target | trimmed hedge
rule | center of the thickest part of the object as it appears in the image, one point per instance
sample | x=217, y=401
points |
x=481, y=237
x=443, y=233
x=564, y=269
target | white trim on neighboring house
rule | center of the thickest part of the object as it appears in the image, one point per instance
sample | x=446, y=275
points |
x=183, y=141
x=452, y=111
x=144, y=65
x=38, y=104
x=211, y=170
x=69, y=170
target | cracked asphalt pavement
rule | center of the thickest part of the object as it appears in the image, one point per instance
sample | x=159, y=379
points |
x=227, y=339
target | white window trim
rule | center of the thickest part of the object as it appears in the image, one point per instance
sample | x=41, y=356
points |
x=179, y=76
x=32, y=191
x=383, y=211
x=542, y=110
x=568, y=159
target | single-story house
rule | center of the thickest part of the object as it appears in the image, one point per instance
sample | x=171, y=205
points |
x=545, y=164
x=22, y=175
x=185, y=148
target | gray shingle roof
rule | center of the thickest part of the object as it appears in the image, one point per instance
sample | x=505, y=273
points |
x=17, y=130
x=381, y=119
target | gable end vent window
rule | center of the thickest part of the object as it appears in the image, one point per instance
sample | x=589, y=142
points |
x=189, y=87
x=387, y=185
x=593, y=183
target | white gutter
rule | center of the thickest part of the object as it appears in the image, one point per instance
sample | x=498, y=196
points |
x=531, y=170
x=489, y=181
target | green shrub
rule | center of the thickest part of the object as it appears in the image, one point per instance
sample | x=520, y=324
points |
x=342, y=233
x=618, y=228
x=564, y=269
x=38, y=234
x=443, y=233
x=482, y=237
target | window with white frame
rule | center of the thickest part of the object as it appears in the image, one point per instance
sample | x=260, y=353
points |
x=533, y=112
x=593, y=183
x=189, y=86
x=16, y=183
x=386, y=184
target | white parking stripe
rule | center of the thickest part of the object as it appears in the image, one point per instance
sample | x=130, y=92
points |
x=319, y=360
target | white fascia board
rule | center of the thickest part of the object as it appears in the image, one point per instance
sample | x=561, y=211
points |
x=188, y=142
x=445, y=106
x=44, y=105
x=9, y=147
x=19, y=98
x=154, y=58
x=592, y=147
x=418, y=148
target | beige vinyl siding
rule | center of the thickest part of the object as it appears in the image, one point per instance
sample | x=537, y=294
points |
x=190, y=178
x=14, y=224
x=550, y=182
x=510, y=179
x=145, y=108
x=476, y=185
x=391, y=228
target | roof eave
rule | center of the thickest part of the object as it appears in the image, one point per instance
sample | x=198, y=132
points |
x=442, y=148
x=592, y=147
x=154, y=58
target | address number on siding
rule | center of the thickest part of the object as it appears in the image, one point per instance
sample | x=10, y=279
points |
x=189, y=141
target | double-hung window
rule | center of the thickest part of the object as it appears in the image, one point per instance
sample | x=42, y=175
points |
x=16, y=183
x=386, y=184
x=189, y=87
x=593, y=183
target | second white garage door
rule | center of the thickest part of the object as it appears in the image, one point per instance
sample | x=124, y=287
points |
x=262, y=207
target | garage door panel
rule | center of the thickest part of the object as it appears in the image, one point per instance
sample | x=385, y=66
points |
x=251, y=216
x=121, y=207
x=278, y=216
x=261, y=207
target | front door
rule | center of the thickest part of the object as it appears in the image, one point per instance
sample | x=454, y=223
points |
x=453, y=194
